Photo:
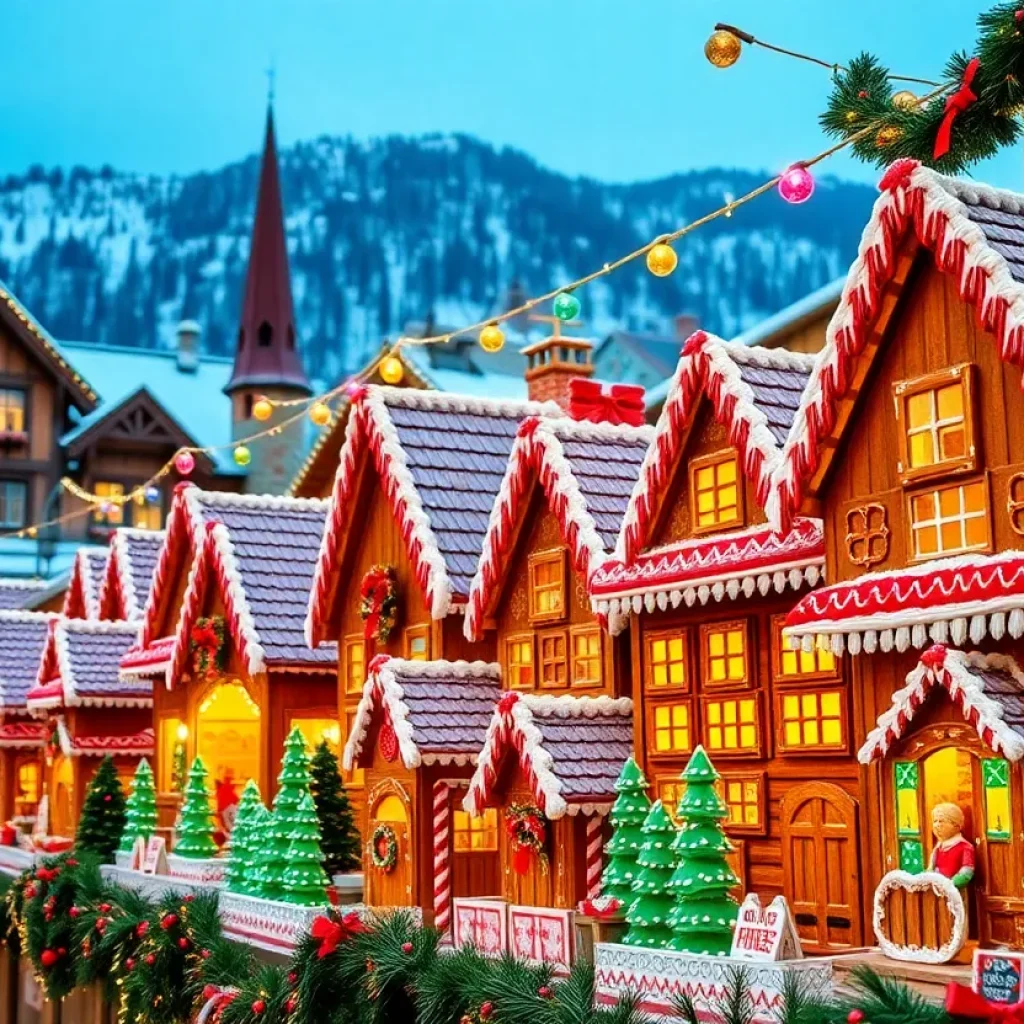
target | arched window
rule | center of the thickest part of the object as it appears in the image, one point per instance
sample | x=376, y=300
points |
x=265, y=334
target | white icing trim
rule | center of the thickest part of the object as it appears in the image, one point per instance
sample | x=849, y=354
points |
x=81, y=570
x=17, y=583
x=941, y=886
x=415, y=398
x=241, y=615
x=121, y=556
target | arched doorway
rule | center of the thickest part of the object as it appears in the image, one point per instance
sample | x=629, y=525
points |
x=62, y=796
x=228, y=736
x=820, y=868
x=389, y=813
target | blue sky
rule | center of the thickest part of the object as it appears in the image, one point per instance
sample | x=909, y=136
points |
x=615, y=89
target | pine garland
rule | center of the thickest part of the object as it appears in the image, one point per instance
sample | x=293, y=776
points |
x=988, y=102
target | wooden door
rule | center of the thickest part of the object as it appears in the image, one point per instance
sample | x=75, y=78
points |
x=535, y=886
x=475, y=861
x=821, y=875
x=390, y=813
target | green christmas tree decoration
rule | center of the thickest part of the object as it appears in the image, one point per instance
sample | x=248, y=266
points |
x=140, y=810
x=103, y=813
x=628, y=814
x=257, y=851
x=339, y=838
x=705, y=914
x=195, y=832
x=241, y=848
x=652, y=903
x=293, y=784
x=304, y=881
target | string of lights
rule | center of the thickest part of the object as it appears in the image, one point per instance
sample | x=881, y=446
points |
x=795, y=185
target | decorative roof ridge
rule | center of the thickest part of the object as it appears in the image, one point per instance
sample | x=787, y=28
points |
x=569, y=429
x=137, y=533
x=417, y=398
x=274, y=502
x=571, y=705
x=748, y=533
x=979, y=192
x=929, y=568
x=778, y=358
x=438, y=667
x=81, y=572
x=17, y=583
x=26, y=615
x=97, y=626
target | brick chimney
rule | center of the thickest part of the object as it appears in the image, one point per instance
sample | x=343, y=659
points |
x=188, y=346
x=552, y=363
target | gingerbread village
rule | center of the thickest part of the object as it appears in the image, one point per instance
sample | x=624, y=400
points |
x=726, y=677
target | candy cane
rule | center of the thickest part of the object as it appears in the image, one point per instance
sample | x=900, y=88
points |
x=442, y=858
x=595, y=848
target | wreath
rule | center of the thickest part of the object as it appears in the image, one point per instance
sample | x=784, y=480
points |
x=384, y=849
x=524, y=826
x=206, y=643
x=53, y=747
x=378, y=603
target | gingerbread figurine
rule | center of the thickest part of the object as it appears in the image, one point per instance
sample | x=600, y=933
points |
x=953, y=855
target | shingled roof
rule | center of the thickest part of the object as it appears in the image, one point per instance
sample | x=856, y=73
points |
x=442, y=459
x=260, y=552
x=587, y=472
x=17, y=593
x=23, y=636
x=438, y=710
x=82, y=598
x=570, y=748
x=754, y=394
x=129, y=573
x=79, y=666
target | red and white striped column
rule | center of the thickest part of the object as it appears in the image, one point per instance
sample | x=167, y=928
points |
x=595, y=851
x=442, y=857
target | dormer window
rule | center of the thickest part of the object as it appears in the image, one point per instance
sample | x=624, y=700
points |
x=716, y=497
x=265, y=335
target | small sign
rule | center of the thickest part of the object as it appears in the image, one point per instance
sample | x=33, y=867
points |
x=765, y=933
x=998, y=975
x=138, y=857
x=155, y=861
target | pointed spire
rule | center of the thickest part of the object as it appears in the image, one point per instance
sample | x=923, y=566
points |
x=266, y=354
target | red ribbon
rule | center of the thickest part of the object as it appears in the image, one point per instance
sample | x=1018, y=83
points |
x=956, y=105
x=332, y=933
x=962, y=1001
x=618, y=404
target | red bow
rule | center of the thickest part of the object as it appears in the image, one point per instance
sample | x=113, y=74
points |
x=620, y=403
x=956, y=105
x=331, y=932
x=962, y=1001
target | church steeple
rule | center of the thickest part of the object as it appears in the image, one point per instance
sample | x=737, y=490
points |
x=266, y=359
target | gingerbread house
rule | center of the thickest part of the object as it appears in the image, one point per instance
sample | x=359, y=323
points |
x=416, y=734
x=422, y=468
x=128, y=574
x=82, y=597
x=87, y=711
x=549, y=757
x=705, y=582
x=909, y=442
x=223, y=629
x=23, y=635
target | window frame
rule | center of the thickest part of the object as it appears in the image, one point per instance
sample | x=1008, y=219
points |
x=649, y=639
x=411, y=633
x=819, y=749
x=14, y=433
x=717, y=753
x=589, y=629
x=349, y=642
x=760, y=780
x=26, y=497
x=506, y=667
x=904, y=390
x=660, y=782
x=538, y=650
x=549, y=556
x=459, y=815
x=703, y=462
x=707, y=629
x=913, y=558
x=649, y=724
x=804, y=678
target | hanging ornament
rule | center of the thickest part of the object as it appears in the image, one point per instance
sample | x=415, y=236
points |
x=152, y=494
x=566, y=306
x=662, y=260
x=723, y=49
x=391, y=370
x=904, y=100
x=320, y=413
x=262, y=408
x=888, y=135
x=851, y=116
x=242, y=455
x=184, y=462
x=796, y=184
x=492, y=338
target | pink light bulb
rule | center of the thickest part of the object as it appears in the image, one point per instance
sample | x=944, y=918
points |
x=796, y=184
x=184, y=463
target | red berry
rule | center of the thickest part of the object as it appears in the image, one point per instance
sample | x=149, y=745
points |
x=107, y=798
x=71, y=862
x=48, y=957
x=130, y=963
x=30, y=891
x=258, y=1006
x=142, y=928
x=1018, y=16
x=168, y=921
x=292, y=977
x=209, y=991
x=486, y=1009
x=189, y=898
x=855, y=1017
x=150, y=959
x=205, y=954
x=42, y=874
x=183, y=943
x=74, y=912
x=104, y=908
x=544, y=992
x=290, y=1003
x=863, y=94
x=406, y=947
x=101, y=924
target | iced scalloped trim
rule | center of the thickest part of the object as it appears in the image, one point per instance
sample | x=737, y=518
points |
x=16, y=583
x=81, y=577
x=121, y=568
x=941, y=886
x=414, y=398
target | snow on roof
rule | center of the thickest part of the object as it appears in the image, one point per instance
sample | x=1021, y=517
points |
x=82, y=598
x=129, y=573
x=16, y=593
x=23, y=636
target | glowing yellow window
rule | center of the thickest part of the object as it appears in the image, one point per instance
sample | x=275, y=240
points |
x=670, y=792
x=715, y=492
x=27, y=784
x=732, y=725
x=475, y=835
x=146, y=515
x=519, y=657
x=796, y=664
x=357, y=776
x=355, y=664
x=743, y=798
x=547, y=585
x=666, y=659
x=553, y=664
x=725, y=654
x=12, y=410
x=936, y=427
x=110, y=511
x=671, y=728
x=813, y=719
x=316, y=730
x=586, y=657
x=948, y=520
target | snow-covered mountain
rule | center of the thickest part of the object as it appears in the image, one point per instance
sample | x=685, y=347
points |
x=396, y=229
